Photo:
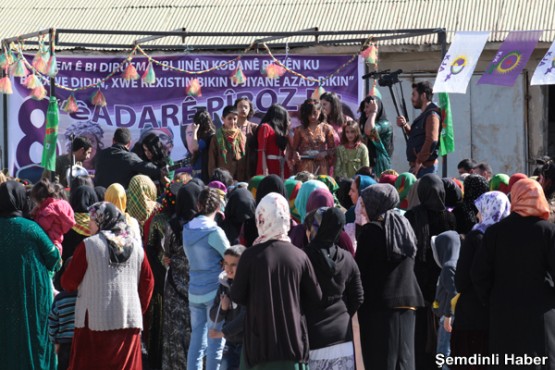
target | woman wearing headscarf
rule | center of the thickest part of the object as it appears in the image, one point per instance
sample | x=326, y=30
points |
x=386, y=252
x=513, y=273
x=320, y=197
x=141, y=199
x=500, y=182
x=154, y=249
x=116, y=195
x=403, y=184
x=470, y=329
x=329, y=327
x=80, y=200
x=254, y=182
x=115, y=284
x=277, y=284
x=429, y=218
x=514, y=178
x=360, y=183
x=305, y=191
x=177, y=318
x=465, y=212
x=28, y=258
x=240, y=208
x=292, y=187
x=453, y=194
x=269, y=184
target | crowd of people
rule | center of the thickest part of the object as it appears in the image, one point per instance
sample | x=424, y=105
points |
x=264, y=253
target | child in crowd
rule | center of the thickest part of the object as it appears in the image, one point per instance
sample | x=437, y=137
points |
x=445, y=247
x=61, y=322
x=313, y=141
x=229, y=312
x=228, y=148
x=245, y=111
x=351, y=154
x=52, y=212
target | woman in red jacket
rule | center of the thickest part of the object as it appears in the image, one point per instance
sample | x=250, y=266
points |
x=273, y=142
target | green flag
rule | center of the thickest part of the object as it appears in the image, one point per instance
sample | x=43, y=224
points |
x=447, y=137
x=51, y=137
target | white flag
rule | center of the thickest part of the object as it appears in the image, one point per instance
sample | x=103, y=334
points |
x=545, y=72
x=459, y=63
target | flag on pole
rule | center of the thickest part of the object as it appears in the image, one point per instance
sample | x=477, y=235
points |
x=447, y=137
x=51, y=137
x=545, y=72
x=459, y=63
x=511, y=58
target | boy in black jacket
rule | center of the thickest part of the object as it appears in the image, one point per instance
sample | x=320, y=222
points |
x=232, y=314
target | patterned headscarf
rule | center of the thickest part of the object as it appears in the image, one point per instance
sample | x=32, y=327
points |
x=500, y=182
x=292, y=188
x=403, y=184
x=81, y=199
x=528, y=199
x=141, y=198
x=112, y=226
x=233, y=140
x=493, y=206
x=272, y=219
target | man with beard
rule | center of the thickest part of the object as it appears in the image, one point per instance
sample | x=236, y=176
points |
x=423, y=134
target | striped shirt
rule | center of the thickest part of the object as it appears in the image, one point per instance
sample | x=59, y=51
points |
x=62, y=317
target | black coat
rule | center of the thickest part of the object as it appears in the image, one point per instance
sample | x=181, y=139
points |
x=118, y=164
x=471, y=313
x=277, y=284
x=513, y=273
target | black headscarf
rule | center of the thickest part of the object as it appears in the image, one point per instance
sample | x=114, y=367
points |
x=270, y=184
x=240, y=208
x=431, y=193
x=379, y=203
x=453, y=194
x=13, y=199
x=82, y=198
x=325, y=227
x=186, y=207
x=474, y=186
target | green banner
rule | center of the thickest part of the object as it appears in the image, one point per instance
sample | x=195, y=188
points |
x=49, y=148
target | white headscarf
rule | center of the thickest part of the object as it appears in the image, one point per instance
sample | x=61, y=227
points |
x=272, y=219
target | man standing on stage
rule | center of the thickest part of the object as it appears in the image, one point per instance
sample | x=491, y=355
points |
x=423, y=134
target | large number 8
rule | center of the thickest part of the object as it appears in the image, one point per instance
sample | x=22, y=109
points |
x=31, y=133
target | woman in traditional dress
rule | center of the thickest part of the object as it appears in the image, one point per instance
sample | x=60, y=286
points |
x=115, y=284
x=333, y=113
x=245, y=111
x=273, y=142
x=313, y=141
x=379, y=134
x=277, y=284
x=199, y=134
x=513, y=275
x=28, y=259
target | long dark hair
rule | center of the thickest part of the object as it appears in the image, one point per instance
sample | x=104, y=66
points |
x=278, y=119
x=306, y=110
x=206, y=126
x=336, y=116
x=155, y=146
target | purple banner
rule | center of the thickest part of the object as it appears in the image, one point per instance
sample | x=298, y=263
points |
x=511, y=58
x=164, y=107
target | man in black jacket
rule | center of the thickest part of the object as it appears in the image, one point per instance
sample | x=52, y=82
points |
x=118, y=164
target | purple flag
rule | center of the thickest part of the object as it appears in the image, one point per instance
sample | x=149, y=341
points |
x=511, y=58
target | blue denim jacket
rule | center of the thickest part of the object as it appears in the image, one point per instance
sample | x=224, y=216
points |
x=204, y=243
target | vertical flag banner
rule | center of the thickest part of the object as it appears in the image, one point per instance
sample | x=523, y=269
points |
x=545, y=72
x=447, y=137
x=459, y=63
x=49, y=148
x=511, y=58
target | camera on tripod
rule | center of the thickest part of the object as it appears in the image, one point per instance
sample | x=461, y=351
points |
x=385, y=78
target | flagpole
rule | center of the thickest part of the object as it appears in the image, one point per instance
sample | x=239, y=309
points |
x=442, y=39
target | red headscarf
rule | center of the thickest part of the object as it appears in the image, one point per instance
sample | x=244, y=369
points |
x=514, y=178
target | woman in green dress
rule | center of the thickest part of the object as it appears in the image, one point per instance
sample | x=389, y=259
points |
x=28, y=260
x=379, y=134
